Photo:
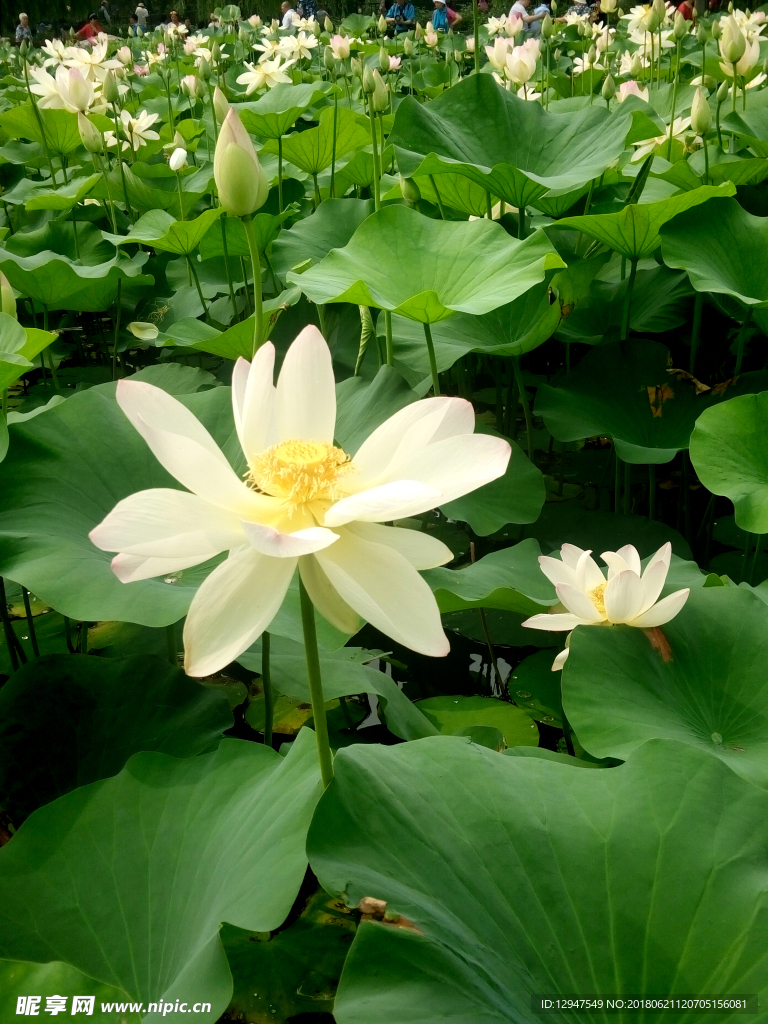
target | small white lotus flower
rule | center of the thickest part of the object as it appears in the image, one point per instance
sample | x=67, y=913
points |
x=628, y=596
x=340, y=47
x=178, y=159
x=678, y=130
x=303, y=502
x=267, y=72
x=143, y=331
x=137, y=130
x=631, y=88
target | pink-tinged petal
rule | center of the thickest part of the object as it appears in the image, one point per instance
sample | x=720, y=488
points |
x=458, y=465
x=232, y=608
x=623, y=596
x=253, y=399
x=557, y=622
x=408, y=431
x=164, y=523
x=570, y=554
x=327, y=601
x=268, y=541
x=664, y=611
x=420, y=549
x=560, y=660
x=577, y=602
x=130, y=568
x=588, y=574
x=396, y=500
x=556, y=570
x=305, y=400
x=382, y=587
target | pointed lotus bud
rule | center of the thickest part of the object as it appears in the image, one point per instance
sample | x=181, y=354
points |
x=722, y=93
x=275, y=24
x=410, y=190
x=356, y=67
x=701, y=115
x=636, y=66
x=178, y=159
x=701, y=35
x=608, y=90
x=7, y=301
x=220, y=104
x=317, y=30
x=242, y=184
x=661, y=9
x=109, y=89
x=383, y=58
x=23, y=48
x=382, y=25
x=179, y=142
x=190, y=86
x=557, y=55
x=328, y=59
x=369, y=82
x=717, y=30
x=215, y=51
x=680, y=30
x=408, y=45
x=732, y=42
x=547, y=27
x=139, y=31
x=142, y=330
x=90, y=136
x=204, y=71
x=328, y=24
x=379, y=96
x=592, y=55
x=124, y=55
x=419, y=33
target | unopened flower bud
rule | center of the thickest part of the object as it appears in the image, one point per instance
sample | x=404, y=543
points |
x=329, y=61
x=109, y=89
x=369, y=82
x=328, y=24
x=592, y=55
x=410, y=190
x=701, y=35
x=242, y=184
x=680, y=30
x=717, y=30
x=220, y=105
x=547, y=27
x=384, y=58
x=732, y=42
x=7, y=301
x=701, y=115
x=636, y=66
x=557, y=55
x=608, y=90
x=215, y=51
x=419, y=31
x=356, y=66
x=90, y=136
x=317, y=29
x=408, y=45
x=379, y=96
x=382, y=25
x=661, y=9
x=190, y=86
x=722, y=93
x=553, y=6
x=23, y=48
x=178, y=159
x=124, y=55
x=204, y=70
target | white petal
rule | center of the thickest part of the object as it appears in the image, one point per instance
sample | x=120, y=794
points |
x=408, y=431
x=420, y=549
x=663, y=611
x=253, y=399
x=615, y=563
x=386, y=590
x=653, y=580
x=588, y=574
x=183, y=446
x=164, y=523
x=268, y=541
x=305, y=401
x=396, y=500
x=557, y=622
x=631, y=557
x=576, y=601
x=556, y=570
x=130, y=568
x=570, y=554
x=560, y=660
x=458, y=465
x=327, y=601
x=623, y=596
x=233, y=607
x=663, y=555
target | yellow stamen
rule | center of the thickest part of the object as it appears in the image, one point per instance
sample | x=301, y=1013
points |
x=299, y=471
x=597, y=596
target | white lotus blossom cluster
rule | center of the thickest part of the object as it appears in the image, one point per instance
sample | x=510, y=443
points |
x=76, y=83
x=514, y=65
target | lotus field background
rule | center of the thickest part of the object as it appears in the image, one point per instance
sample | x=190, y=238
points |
x=383, y=489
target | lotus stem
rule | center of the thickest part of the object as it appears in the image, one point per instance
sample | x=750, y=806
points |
x=628, y=301
x=117, y=327
x=390, y=345
x=266, y=682
x=258, y=315
x=706, y=159
x=376, y=165
x=280, y=170
x=674, y=101
x=316, y=685
x=476, y=30
x=333, y=151
x=432, y=361
x=437, y=196
x=47, y=352
x=524, y=403
x=222, y=224
x=10, y=636
x=740, y=340
x=698, y=304
x=181, y=196
x=40, y=124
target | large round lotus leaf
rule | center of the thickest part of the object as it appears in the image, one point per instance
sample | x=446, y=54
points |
x=709, y=689
x=634, y=231
x=625, y=391
x=451, y=715
x=428, y=269
x=66, y=721
x=129, y=879
x=518, y=876
x=312, y=149
x=516, y=150
x=65, y=470
x=729, y=454
x=274, y=113
x=330, y=227
x=165, y=234
x=725, y=252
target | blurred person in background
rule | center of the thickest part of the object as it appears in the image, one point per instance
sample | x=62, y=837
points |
x=141, y=16
x=23, y=30
x=90, y=29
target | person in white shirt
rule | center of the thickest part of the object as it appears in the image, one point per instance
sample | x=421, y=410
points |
x=519, y=9
x=288, y=14
x=141, y=16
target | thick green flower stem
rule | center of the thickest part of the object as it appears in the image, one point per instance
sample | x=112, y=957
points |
x=524, y=403
x=674, y=102
x=193, y=270
x=11, y=639
x=258, y=314
x=432, y=361
x=118, y=310
x=488, y=205
x=316, y=685
x=213, y=114
x=108, y=203
x=333, y=152
x=118, y=150
x=732, y=146
x=628, y=301
x=433, y=183
x=521, y=222
x=753, y=570
x=40, y=125
x=223, y=226
x=181, y=196
x=376, y=166
x=317, y=191
x=742, y=337
x=266, y=682
x=706, y=159
x=476, y=27
x=698, y=303
x=388, y=332
x=280, y=173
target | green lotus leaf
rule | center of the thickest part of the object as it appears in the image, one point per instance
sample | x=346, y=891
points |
x=634, y=231
x=18, y=347
x=516, y=150
x=625, y=391
x=164, y=233
x=312, y=149
x=647, y=868
x=155, y=192
x=357, y=169
x=709, y=690
x=66, y=721
x=36, y=195
x=729, y=455
x=508, y=580
x=271, y=116
x=61, y=133
x=21, y=979
x=750, y=125
x=725, y=252
x=265, y=228
x=426, y=269
x=58, y=282
x=102, y=876
x=452, y=715
x=365, y=405
x=331, y=226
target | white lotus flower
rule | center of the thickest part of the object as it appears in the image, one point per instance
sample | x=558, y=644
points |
x=137, y=130
x=46, y=88
x=631, y=88
x=628, y=596
x=303, y=502
x=496, y=26
x=56, y=50
x=268, y=72
x=521, y=63
x=270, y=48
x=747, y=61
x=625, y=67
x=497, y=54
x=301, y=46
x=582, y=64
x=91, y=64
x=678, y=130
x=142, y=330
x=340, y=47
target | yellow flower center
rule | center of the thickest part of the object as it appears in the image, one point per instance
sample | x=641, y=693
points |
x=597, y=596
x=299, y=471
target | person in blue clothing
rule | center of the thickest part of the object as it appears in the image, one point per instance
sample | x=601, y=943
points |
x=401, y=17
